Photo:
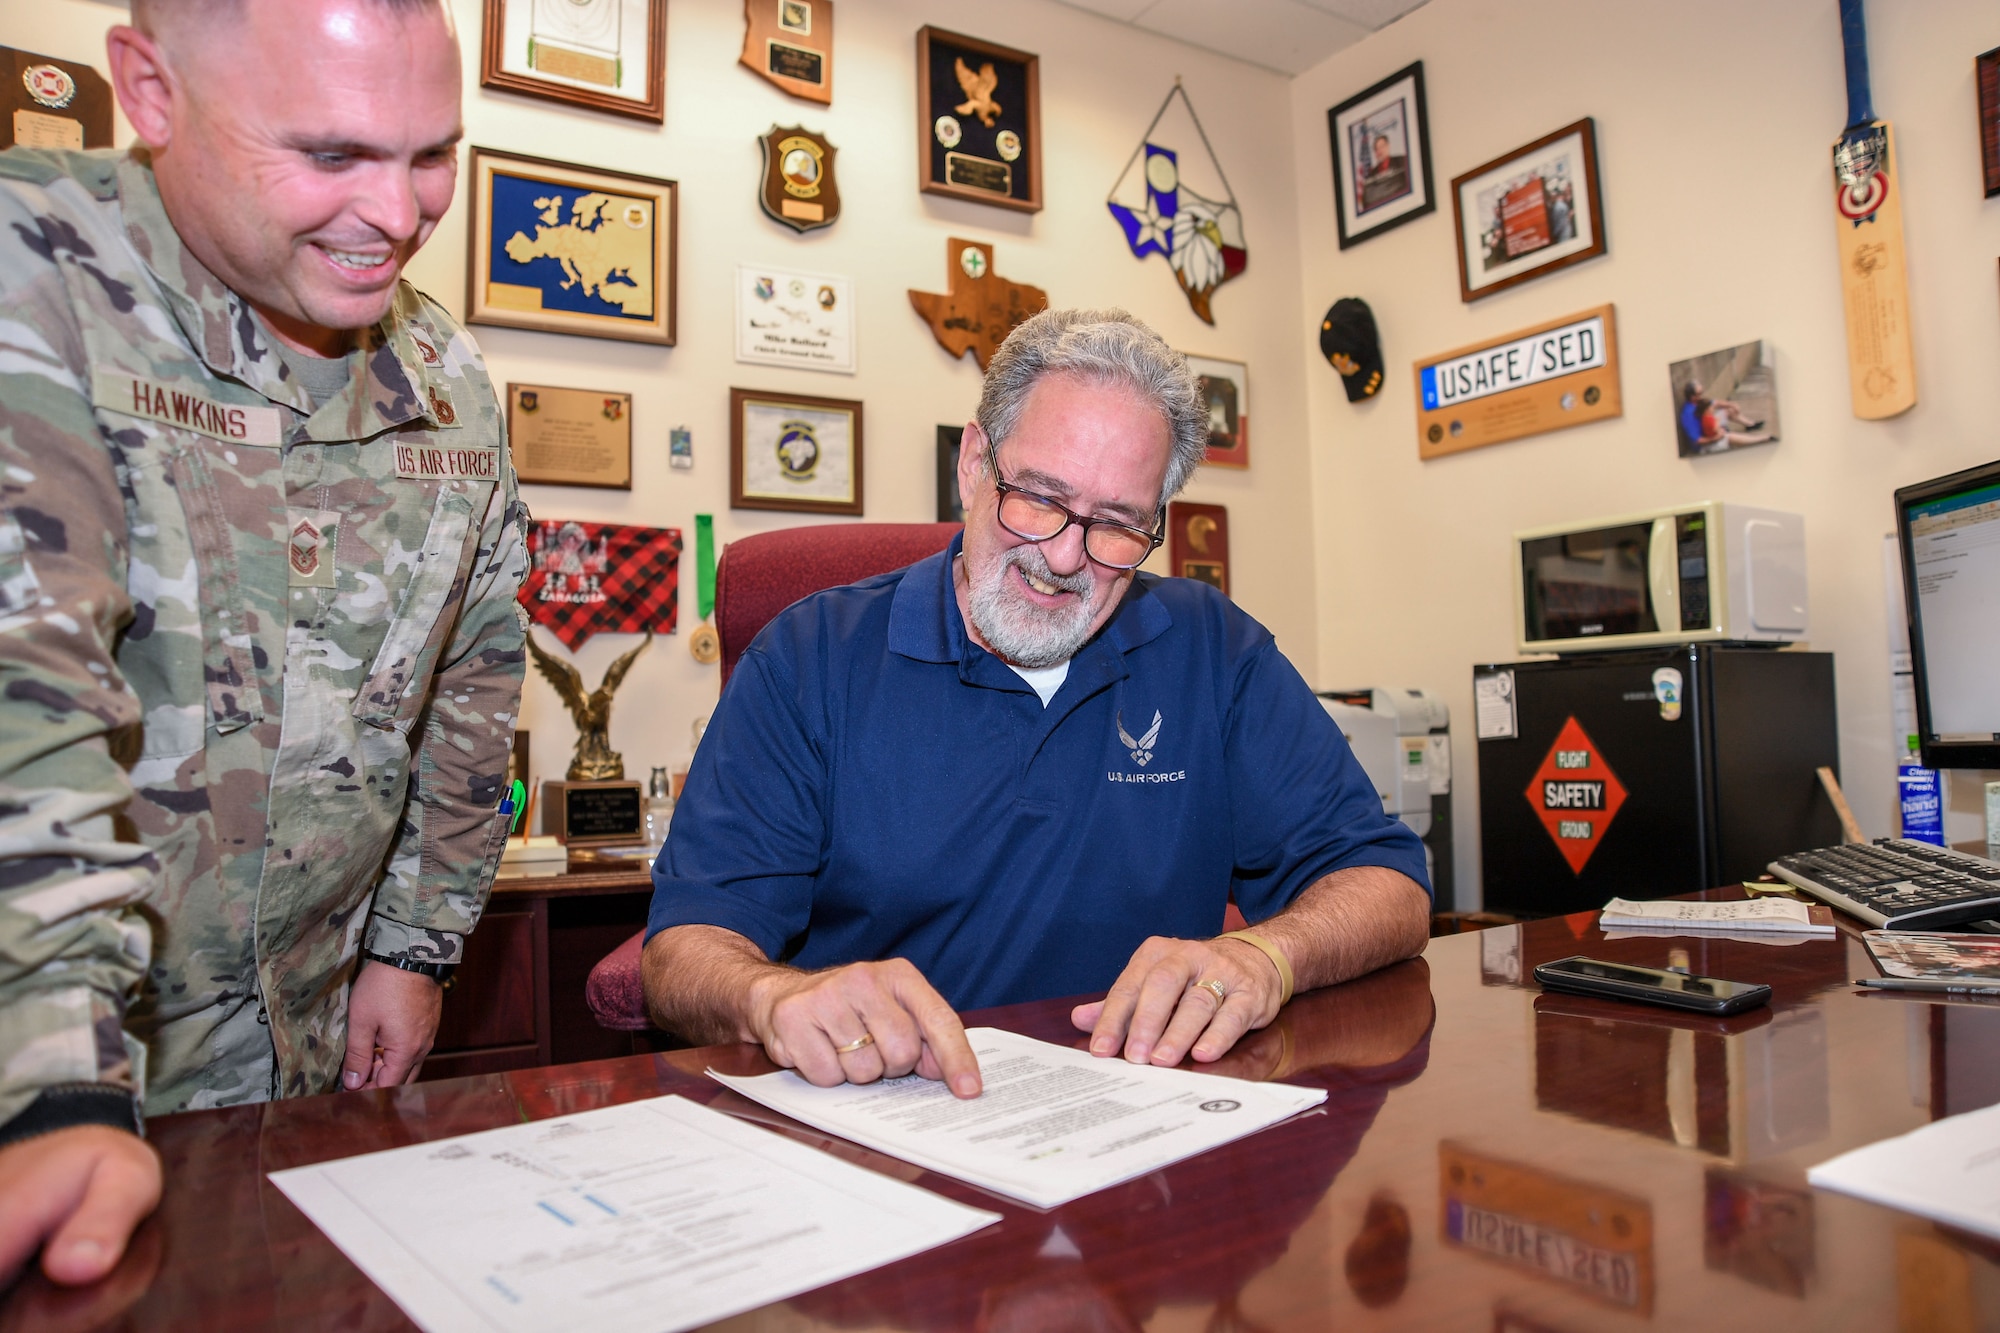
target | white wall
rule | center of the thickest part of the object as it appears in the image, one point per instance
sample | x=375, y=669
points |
x=1714, y=121
x=1101, y=83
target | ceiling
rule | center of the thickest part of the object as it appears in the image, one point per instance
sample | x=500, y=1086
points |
x=1290, y=36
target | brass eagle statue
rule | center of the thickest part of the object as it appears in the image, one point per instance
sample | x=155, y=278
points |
x=594, y=760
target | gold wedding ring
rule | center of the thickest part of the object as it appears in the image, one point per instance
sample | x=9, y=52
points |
x=865, y=1039
x=1213, y=987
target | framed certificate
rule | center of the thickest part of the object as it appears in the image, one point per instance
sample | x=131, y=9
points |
x=561, y=248
x=794, y=452
x=570, y=437
x=979, y=121
x=608, y=55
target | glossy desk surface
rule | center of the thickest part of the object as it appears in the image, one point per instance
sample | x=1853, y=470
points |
x=1488, y=1158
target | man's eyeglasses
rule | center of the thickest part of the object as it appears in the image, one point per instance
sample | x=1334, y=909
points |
x=1037, y=518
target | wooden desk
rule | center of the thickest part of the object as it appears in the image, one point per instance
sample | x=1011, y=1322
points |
x=517, y=1001
x=1475, y=1132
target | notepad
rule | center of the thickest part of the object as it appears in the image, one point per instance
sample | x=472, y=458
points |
x=1775, y=915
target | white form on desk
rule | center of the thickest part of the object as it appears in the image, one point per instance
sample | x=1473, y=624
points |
x=1053, y=1124
x=650, y=1217
x=1948, y=1171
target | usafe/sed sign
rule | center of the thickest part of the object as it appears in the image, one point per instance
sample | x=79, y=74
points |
x=1558, y=374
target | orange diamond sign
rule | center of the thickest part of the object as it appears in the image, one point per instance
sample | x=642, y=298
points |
x=1575, y=795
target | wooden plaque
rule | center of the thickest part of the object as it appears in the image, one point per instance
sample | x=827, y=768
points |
x=570, y=437
x=790, y=43
x=594, y=814
x=979, y=121
x=1558, y=374
x=50, y=103
x=981, y=308
x=1198, y=543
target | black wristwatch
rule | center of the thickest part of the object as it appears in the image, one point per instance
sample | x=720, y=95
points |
x=438, y=972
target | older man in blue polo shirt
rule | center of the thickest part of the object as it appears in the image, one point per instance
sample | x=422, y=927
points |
x=1019, y=769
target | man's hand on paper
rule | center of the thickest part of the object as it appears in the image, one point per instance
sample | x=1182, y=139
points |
x=1158, y=1010
x=804, y=1019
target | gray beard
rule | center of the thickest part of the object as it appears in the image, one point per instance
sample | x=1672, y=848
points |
x=1020, y=631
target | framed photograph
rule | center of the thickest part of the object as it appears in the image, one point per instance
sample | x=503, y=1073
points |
x=561, y=248
x=1198, y=543
x=608, y=55
x=949, y=510
x=1381, y=157
x=1529, y=213
x=1725, y=400
x=1226, y=384
x=979, y=121
x=794, y=452
x=1986, y=71
x=570, y=437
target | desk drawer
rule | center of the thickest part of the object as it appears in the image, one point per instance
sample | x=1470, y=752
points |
x=492, y=997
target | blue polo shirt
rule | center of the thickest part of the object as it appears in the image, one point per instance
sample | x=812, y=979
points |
x=875, y=785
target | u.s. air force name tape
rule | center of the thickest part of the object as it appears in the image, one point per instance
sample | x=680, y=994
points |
x=417, y=462
x=177, y=405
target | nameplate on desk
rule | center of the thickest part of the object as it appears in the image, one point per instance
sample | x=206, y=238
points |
x=594, y=814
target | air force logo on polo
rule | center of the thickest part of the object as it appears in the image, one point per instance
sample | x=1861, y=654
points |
x=1141, y=751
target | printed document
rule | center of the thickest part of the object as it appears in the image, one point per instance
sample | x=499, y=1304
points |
x=1948, y=1171
x=1053, y=1124
x=651, y=1217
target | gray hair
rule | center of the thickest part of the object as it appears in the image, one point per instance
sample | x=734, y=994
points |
x=1100, y=347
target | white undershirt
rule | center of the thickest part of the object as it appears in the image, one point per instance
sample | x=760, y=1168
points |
x=1045, y=681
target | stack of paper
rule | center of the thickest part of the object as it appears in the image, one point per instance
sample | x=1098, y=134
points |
x=1776, y=915
x=1948, y=1171
x=650, y=1217
x=1053, y=1124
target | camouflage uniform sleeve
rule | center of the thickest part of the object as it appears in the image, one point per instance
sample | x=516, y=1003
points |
x=451, y=838
x=72, y=945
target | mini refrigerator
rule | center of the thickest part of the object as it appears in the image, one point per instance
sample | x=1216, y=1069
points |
x=1649, y=772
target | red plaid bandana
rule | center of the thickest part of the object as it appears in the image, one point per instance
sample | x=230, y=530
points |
x=590, y=578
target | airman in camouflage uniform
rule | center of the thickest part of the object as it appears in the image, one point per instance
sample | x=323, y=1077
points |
x=259, y=662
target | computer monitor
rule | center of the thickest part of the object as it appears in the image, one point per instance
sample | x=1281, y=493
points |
x=1948, y=531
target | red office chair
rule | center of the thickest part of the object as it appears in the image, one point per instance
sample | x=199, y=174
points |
x=756, y=578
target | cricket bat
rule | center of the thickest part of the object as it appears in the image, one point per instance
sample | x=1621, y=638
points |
x=1868, y=210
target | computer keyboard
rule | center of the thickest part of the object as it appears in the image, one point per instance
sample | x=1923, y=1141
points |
x=1894, y=884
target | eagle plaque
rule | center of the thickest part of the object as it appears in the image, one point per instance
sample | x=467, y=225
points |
x=979, y=121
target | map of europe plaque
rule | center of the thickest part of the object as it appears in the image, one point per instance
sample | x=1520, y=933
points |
x=561, y=248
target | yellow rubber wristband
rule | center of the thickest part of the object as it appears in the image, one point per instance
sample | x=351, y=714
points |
x=1277, y=957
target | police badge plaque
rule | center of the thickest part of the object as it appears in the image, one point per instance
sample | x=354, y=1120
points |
x=790, y=43
x=979, y=121
x=799, y=189
x=52, y=103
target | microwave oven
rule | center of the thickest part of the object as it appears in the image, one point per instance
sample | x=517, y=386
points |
x=1706, y=572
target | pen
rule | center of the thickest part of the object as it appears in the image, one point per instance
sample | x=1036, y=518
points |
x=1900, y=983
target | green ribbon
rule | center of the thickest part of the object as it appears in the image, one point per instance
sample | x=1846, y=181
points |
x=704, y=565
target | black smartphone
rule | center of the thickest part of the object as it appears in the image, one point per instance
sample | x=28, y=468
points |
x=1651, y=985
